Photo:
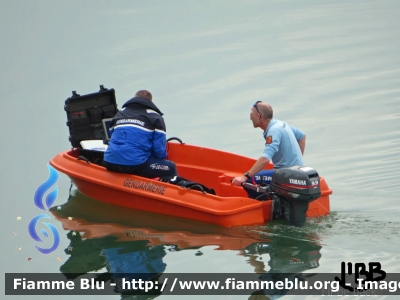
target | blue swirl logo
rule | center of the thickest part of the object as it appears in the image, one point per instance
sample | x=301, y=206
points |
x=44, y=203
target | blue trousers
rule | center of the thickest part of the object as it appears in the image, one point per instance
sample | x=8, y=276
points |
x=153, y=167
x=263, y=177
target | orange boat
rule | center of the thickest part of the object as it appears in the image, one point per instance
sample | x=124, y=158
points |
x=212, y=168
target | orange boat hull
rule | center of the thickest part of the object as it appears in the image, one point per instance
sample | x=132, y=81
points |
x=210, y=167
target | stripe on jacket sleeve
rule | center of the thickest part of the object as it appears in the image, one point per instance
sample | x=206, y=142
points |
x=160, y=131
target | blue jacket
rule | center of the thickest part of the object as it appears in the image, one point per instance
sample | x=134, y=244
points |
x=138, y=131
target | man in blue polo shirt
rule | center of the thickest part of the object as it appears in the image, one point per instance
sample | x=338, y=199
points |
x=284, y=145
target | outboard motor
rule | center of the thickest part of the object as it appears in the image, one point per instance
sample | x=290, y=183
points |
x=293, y=189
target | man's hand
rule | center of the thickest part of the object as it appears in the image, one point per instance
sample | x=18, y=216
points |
x=239, y=180
x=257, y=167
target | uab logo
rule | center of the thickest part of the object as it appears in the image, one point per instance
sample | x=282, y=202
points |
x=362, y=284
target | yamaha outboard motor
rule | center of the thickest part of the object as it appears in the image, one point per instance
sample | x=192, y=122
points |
x=294, y=187
x=291, y=191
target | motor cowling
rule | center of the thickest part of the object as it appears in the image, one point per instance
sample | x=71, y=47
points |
x=295, y=188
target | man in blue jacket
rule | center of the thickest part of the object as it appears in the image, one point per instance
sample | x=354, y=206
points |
x=138, y=140
x=284, y=145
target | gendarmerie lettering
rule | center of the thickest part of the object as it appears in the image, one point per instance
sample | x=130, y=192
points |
x=129, y=121
x=145, y=186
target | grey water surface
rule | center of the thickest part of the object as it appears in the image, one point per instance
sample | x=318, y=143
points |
x=329, y=68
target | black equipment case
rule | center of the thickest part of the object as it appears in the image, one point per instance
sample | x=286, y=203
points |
x=85, y=114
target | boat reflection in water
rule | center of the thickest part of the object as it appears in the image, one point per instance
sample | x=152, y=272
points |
x=119, y=241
